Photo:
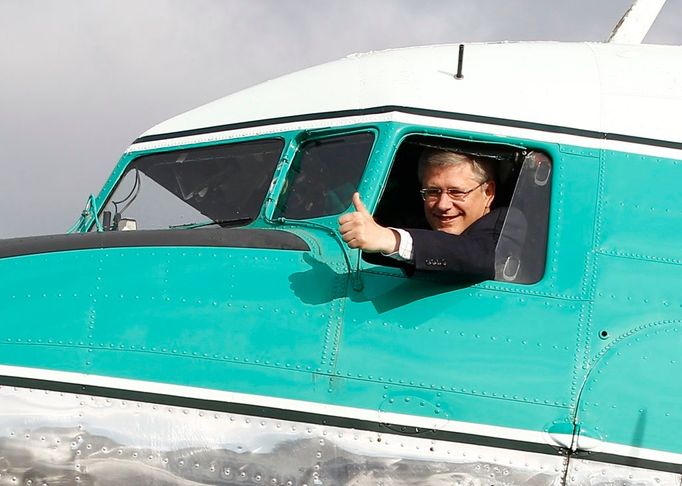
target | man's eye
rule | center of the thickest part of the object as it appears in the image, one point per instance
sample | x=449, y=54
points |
x=455, y=192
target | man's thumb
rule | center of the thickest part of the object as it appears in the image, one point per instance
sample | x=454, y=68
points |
x=357, y=202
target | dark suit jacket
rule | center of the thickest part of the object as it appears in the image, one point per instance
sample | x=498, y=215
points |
x=471, y=253
x=469, y=256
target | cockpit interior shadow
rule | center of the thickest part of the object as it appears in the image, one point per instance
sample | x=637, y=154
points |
x=401, y=204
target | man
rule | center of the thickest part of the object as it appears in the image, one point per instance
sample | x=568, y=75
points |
x=458, y=191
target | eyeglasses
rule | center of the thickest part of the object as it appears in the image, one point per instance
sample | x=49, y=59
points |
x=432, y=194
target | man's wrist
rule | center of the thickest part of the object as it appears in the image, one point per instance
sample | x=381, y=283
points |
x=403, y=250
x=395, y=241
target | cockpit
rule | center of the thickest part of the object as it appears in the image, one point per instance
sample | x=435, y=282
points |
x=235, y=184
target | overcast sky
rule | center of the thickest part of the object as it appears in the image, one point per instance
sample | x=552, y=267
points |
x=81, y=79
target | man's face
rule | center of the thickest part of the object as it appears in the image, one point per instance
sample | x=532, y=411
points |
x=447, y=215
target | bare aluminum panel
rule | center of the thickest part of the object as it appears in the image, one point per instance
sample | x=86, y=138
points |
x=49, y=438
x=582, y=472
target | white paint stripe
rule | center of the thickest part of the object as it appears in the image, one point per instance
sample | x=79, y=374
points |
x=594, y=445
x=484, y=128
x=338, y=411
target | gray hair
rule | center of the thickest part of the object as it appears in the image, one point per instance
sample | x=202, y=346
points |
x=483, y=169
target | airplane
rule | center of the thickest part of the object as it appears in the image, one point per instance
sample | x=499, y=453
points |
x=203, y=321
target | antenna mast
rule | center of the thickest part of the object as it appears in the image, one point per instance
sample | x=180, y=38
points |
x=636, y=22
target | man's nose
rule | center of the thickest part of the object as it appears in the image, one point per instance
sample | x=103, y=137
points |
x=444, y=202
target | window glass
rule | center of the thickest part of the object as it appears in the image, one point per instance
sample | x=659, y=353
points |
x=325, y=175
x=522, y=248
x=223, y=185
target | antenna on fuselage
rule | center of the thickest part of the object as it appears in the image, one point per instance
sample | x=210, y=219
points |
x=635, y=24
x=460, y=62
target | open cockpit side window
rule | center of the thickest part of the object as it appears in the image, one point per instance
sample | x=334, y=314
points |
x=522, y=189
x=522, y=248
x=218, y=185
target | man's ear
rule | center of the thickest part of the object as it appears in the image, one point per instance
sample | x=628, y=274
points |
x=490, y=192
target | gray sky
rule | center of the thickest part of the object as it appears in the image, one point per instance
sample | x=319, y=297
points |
x=81, y=79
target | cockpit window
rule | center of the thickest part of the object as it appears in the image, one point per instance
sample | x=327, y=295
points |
x=325, y=175
x=223, y=185
x=523, y=185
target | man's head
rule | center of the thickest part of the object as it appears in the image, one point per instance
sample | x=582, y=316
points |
x=457, y=189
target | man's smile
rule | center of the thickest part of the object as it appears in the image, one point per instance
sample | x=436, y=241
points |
x=445, y=218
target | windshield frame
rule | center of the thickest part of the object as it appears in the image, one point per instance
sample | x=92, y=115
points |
x=305, y=143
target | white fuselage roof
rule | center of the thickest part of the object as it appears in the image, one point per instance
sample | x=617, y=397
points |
x=633, y=90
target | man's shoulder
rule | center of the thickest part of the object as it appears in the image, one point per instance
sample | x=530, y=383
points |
x=493, y=220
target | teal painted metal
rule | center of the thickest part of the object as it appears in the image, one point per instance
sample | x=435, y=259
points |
x=327, y=327
x=631, y=394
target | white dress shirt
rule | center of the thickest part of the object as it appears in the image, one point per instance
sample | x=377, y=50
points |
x=405, y=252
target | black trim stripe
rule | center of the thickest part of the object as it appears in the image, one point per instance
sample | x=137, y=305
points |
x=216, y=237
x=507, y=122
x=629, y=461
x=279, y=414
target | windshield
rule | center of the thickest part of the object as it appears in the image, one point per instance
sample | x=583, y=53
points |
x=223, y=184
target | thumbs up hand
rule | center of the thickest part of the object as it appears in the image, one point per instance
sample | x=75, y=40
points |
x=359, y=205
x=359, y=230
